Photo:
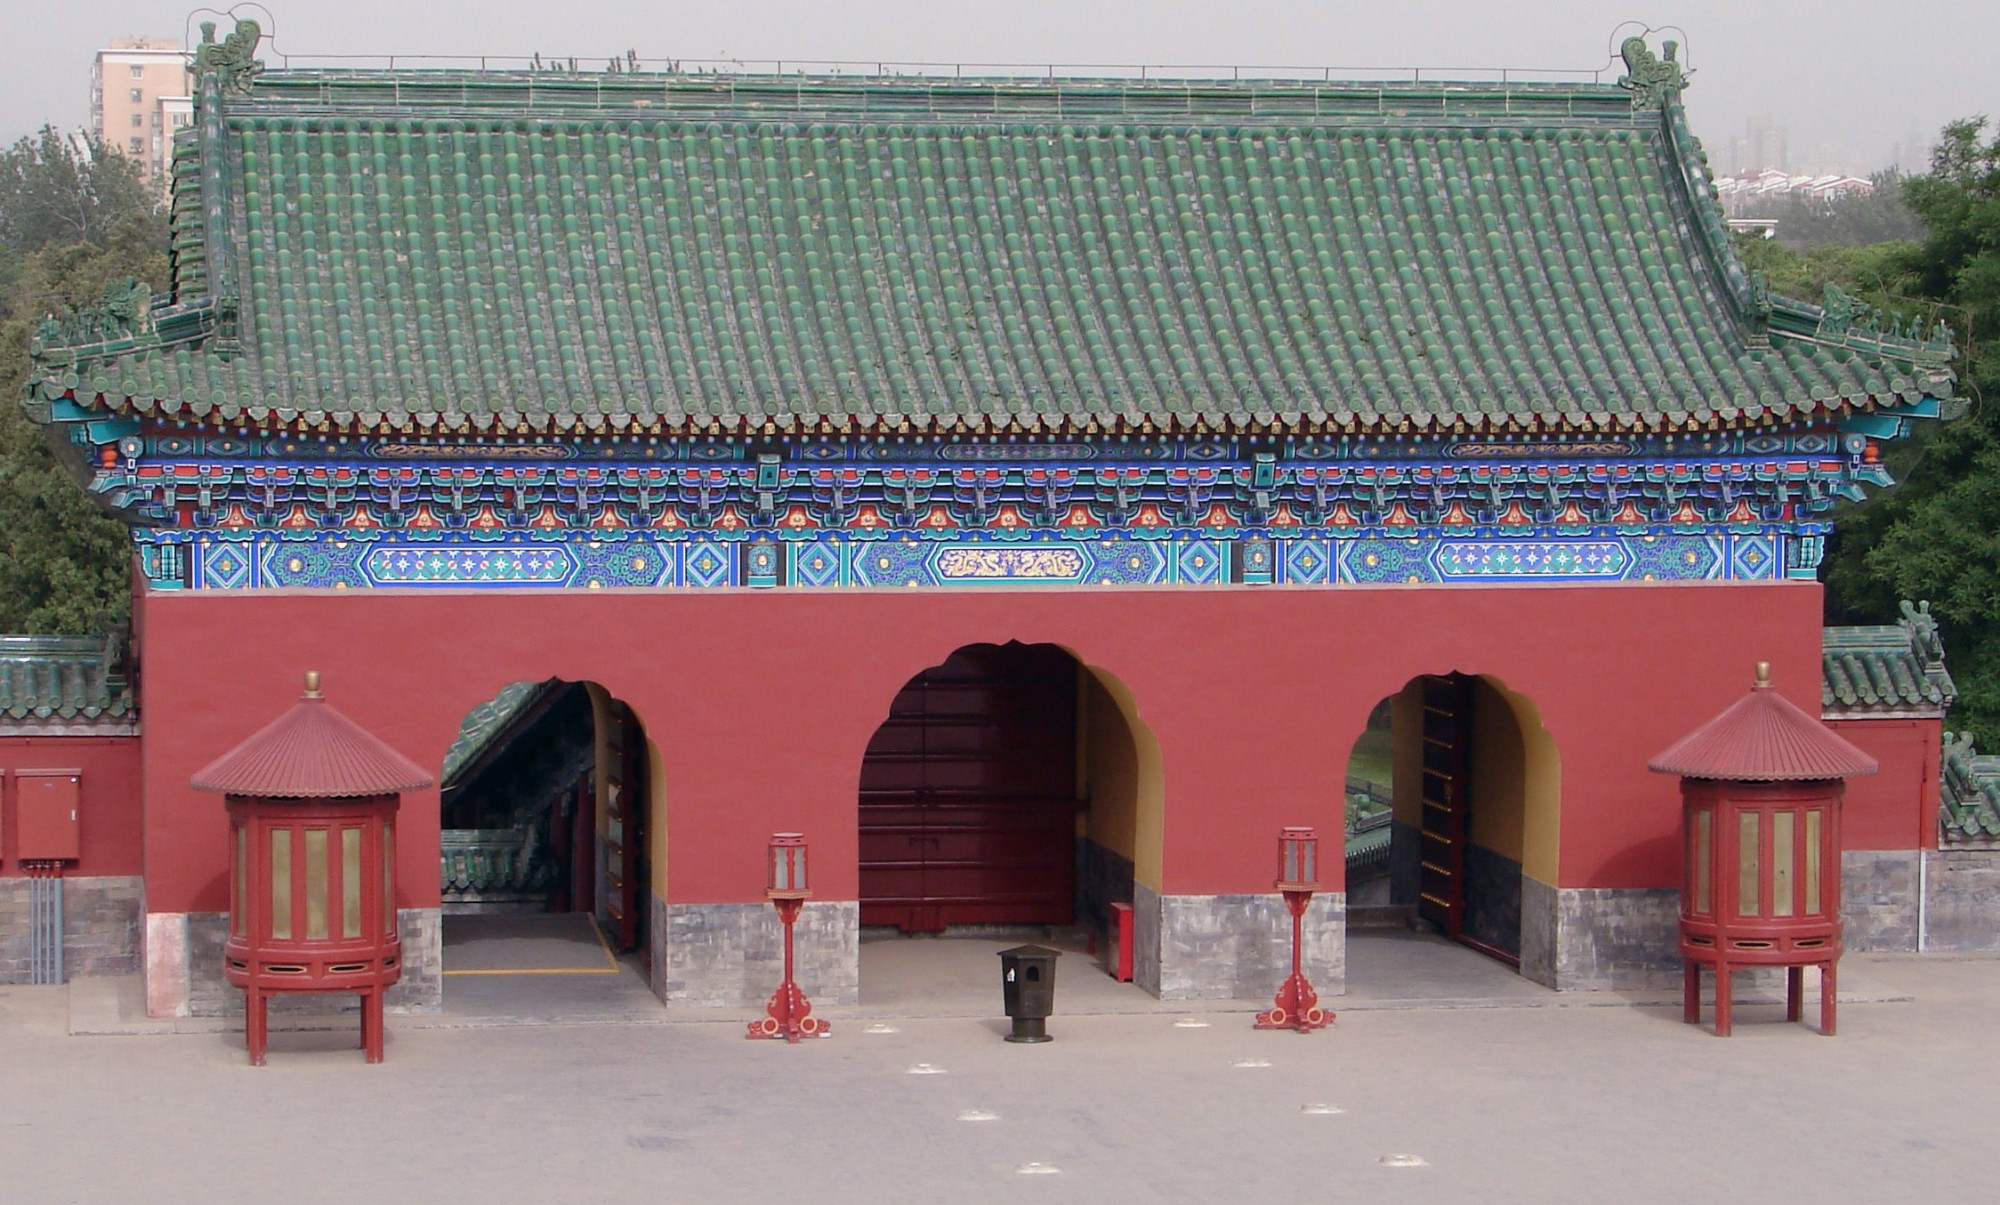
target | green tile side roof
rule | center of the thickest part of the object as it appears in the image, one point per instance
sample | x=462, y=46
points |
x=467, y=251
x=1969, y=792
x=64, y=678
x=486, y=722
x=1890, y=667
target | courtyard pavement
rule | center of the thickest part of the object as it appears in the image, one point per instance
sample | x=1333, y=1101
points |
x=1533, y=1099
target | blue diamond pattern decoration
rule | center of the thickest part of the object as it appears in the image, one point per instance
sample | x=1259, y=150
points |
x=1306, y=561
x=706, y=564
x=1201, y=563
x=818, y=565
x=1755, y=557
x=225, y=567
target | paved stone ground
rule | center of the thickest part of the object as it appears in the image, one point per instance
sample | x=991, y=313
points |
x=1520, y=1102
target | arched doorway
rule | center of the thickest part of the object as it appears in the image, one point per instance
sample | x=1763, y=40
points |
x=1453, y=798
x=1010, y=785
x=544, y=805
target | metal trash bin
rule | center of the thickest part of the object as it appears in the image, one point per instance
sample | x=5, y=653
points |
x=1028, y=990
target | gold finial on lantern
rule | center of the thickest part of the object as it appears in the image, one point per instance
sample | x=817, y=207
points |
x=312, y=685
x=1763, y=676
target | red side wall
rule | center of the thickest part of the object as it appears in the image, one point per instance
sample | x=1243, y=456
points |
x=1897, y=807
x=762, y=701
x=109, y=818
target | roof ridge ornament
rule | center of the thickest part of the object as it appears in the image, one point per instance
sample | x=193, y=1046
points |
x=229, y=60
x=1650, y=78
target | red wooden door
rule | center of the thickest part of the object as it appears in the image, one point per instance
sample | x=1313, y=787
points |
x=968, y=794
x=1447, y=822
x=625, y=827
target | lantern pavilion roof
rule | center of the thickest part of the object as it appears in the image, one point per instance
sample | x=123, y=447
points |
x=312, y=752
x=1763, y=737
x=457, y=253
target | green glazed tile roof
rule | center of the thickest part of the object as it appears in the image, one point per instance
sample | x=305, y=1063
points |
x=64, y=678
x=1969, y=792
x=1891, y=667
x=485, y=723
x=465, y=251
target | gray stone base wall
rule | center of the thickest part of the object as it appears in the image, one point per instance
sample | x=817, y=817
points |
x=101, y=925
x=1239, y=947
x=1962, y=900
x=1146, y=937
x=1493, y=899
x=184, y=976
x=1600, y=938
x=733, y=955
x=656, y=945
x=1104, y=878
x=1878, y=899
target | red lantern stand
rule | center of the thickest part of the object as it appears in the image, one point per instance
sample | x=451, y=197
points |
x=312, y=804
x=1297, y=1005
x=1761, y=786
x=789, y=1013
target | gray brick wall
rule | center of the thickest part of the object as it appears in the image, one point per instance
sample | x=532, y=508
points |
x=1964, y=900
x=732, y=955
x=101, y=923
x=1239, y=947
x=421, y=988
x=1878, y=899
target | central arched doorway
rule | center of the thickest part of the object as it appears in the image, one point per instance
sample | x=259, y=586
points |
x=1010, y=786
x=544, y=815
x=1453, y=793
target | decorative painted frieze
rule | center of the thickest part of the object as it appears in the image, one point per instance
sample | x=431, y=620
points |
x=248, y=512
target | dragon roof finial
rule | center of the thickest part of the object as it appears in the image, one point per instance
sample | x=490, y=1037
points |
x=1649, y=77
x=232, y=60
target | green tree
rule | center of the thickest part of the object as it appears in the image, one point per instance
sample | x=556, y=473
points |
x=1937, y=536
x=73, y=218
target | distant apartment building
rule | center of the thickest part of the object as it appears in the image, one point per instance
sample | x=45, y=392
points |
x=1739, y=192
x=139, y=95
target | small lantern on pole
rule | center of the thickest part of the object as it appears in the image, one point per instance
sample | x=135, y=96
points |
x=789, y=1013
x=1297, y=1005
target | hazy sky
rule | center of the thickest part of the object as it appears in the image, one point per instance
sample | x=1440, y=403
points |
x=1859, y=74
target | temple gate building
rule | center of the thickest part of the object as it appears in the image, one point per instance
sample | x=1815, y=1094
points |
x=1026, y=489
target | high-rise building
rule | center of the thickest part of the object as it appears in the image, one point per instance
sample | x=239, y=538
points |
x=138, y=95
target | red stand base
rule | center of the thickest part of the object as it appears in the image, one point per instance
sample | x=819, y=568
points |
x=1297, y=1007
x=790, y=1017
x=789, y=1012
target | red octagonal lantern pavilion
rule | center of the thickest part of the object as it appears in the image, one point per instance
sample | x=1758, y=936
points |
x=312, y=837
x=1760, y=788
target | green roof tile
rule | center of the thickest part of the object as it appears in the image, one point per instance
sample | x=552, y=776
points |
x=64, y=679
x=1969, y=793
x=453, y=250
x=1890, y=667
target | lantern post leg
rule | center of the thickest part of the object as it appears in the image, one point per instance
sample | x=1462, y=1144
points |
x=1723, y=981
x=256, y=1020
x=1829, y=998
x=371, y=1025
x=1691, y=991
x=1795, y=992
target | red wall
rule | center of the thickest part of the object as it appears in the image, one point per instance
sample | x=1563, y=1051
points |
x=109, y=818
x=1897, y=807
x=762, y=701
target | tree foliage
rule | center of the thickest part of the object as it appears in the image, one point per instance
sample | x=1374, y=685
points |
x=73, y=218
x=1937, y=536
